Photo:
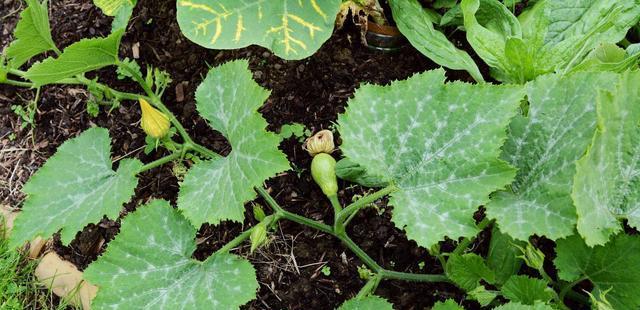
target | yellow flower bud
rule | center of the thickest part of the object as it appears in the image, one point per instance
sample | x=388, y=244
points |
x=153, y=122
x=321, y=142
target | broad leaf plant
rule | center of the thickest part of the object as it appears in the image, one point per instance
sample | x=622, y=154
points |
x=555, y=155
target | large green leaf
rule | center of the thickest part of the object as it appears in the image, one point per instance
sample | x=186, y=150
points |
x=467, y=270
x=439, y=144
x=544, y=146
x=556, y=35
x=614, y=265
x=371, y=302
x=83, y=56
x=75, y=187
x=292, y=29
x=527, y=290
x=488, y=36
x=216, y=190
x=607, y=184
x=414, y=22
x=149, y=266
x=32, y=34
x=608, y=57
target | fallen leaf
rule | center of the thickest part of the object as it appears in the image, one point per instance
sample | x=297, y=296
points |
x=65, y=280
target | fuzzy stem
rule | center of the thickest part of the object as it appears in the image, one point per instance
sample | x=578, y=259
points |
x=236, y=241
x=352, y=246
x=415, y=277
x=159, y=162
x=342, y=216
x=18, y=83
x=370, y=287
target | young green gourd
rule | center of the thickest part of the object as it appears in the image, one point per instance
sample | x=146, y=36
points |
x=323, y=171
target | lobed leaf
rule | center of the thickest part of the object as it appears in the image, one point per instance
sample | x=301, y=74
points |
x=75, y=187
x=149, y=266
x=467, y=270
x=526, y=290
x=439, y=144
x=415, y=24
x=80, y=57
x=606, y=188
x=612, y=266
x=371, y=302
x=32, y=34
x=216, y=190
x=544, y=146
x=292, y=29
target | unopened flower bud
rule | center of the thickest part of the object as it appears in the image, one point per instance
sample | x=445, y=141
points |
x=321, y=142
x=258, y=236
x=600, y=302
x=155, y=123
x=532, y=256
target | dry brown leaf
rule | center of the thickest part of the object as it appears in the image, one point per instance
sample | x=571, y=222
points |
x=36, y=246
x=65, y=280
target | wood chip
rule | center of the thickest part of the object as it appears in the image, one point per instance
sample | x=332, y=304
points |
x=65, y=280
x=135, y=50
x=180, y=91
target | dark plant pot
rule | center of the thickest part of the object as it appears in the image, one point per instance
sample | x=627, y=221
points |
x=384, y=38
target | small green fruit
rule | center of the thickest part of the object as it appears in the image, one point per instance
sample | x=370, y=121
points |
x=323, y=171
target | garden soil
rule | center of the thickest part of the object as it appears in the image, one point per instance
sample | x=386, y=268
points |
x=313, y=92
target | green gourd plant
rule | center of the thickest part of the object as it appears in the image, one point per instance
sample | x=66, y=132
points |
x=560, y=36
x=557, y=157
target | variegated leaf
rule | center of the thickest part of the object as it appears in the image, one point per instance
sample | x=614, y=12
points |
x=544, y=146
x=216, y=190
x=149, y=266
x=75, y=187
x=607, y=183
x=438, y=143
x=293, y=29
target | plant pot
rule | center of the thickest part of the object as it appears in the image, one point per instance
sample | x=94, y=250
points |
x=384, y=38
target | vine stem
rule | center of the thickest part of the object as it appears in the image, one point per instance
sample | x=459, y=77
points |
x=157, y=102
x=80, y=80
x=18, y=83
x=464, y=244
x=237, y=240
x=568, y=287
x=352, y=246
x=370, y=287
x=342, y=216
x=160, y=162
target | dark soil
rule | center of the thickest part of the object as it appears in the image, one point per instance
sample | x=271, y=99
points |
x=311, y=91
